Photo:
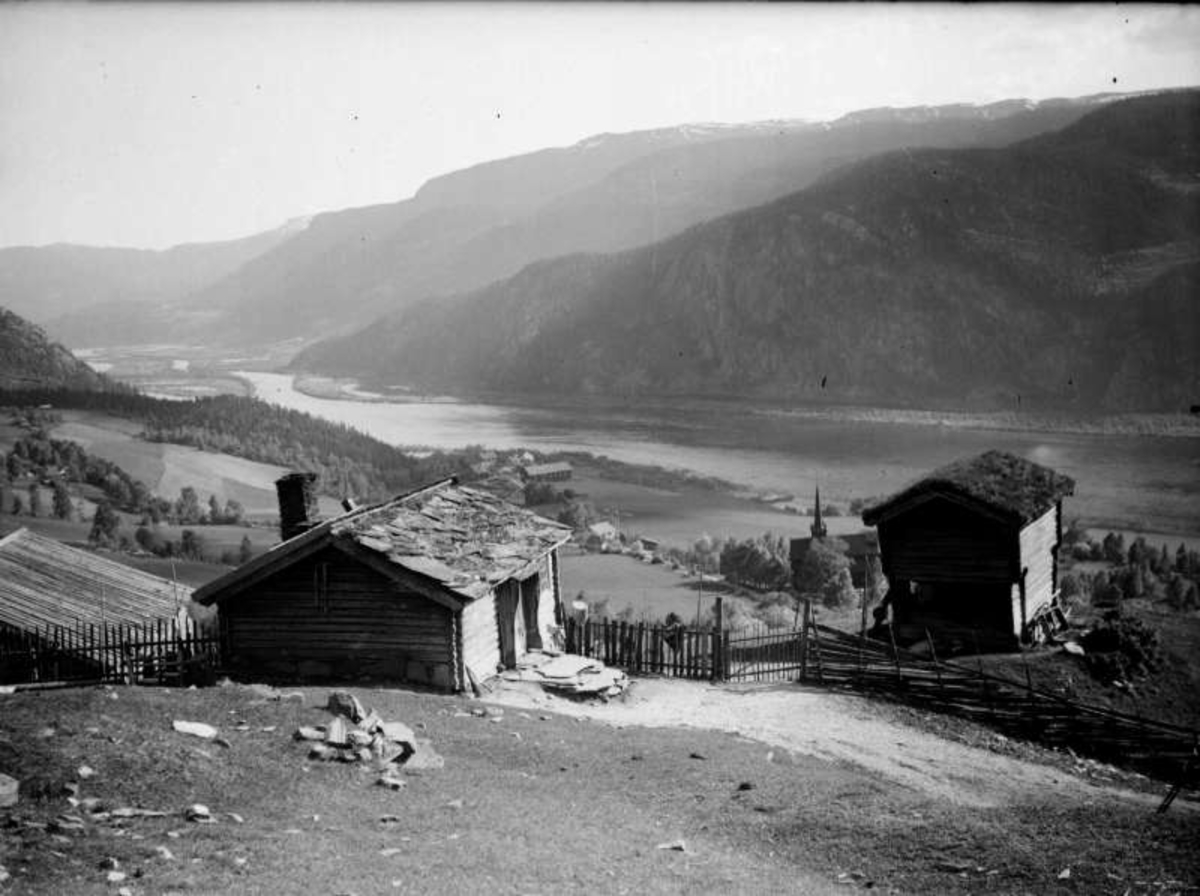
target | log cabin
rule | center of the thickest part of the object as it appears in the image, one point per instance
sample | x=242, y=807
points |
x=433, y=587
x=970, y=551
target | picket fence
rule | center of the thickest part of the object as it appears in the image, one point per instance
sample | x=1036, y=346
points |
x=162, y=651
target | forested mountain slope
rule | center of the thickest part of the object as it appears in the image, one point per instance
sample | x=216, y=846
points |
x=29, y=360
x=1057, y=271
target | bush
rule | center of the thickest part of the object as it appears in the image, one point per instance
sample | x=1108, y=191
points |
x=1121, y=648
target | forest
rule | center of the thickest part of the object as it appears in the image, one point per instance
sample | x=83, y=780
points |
x=348, y=462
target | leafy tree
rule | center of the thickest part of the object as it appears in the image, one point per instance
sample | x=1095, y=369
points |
x=1113, y=547
x=64, y=509
x=187, y=508
x=235, y=514
x=825, y=571
x=105, y=526
x=35, y=500
x=18, y=506
x=191, y=545
x=214, y=511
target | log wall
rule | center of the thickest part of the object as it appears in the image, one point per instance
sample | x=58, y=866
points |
x=327, y=616
x=944, y=541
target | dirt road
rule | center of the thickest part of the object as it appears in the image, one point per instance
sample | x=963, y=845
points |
x=837, y=727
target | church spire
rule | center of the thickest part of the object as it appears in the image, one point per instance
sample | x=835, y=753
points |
x=818, y=525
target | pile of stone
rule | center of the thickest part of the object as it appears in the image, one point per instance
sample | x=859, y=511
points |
x=357, y=735
x=571, y=675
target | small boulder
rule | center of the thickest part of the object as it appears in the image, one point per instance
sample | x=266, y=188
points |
x=197, y=729
x=423, y=758
x=343, y=703
x=9, y=791
x=199, y=813
x=306, y=732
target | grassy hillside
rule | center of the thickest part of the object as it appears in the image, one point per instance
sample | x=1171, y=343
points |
x=527, y=802
x=1057, y=272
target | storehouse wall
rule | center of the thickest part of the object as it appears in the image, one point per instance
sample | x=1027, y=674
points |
x=328, y=616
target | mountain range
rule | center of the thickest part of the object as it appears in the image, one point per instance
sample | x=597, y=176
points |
x=340, y=270
x=978, y=255
x=1059, y=270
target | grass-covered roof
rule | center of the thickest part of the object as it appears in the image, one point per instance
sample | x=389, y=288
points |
x=1007, y=484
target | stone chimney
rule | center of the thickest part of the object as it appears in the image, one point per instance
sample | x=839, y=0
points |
x=298, y=509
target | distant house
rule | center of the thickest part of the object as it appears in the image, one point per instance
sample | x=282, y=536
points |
x=433, y=587
x=45, y=583
x=603, y=530
x=555, y=472
x=970, y=551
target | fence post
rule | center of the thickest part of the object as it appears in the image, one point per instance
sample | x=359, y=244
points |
x=718, y=664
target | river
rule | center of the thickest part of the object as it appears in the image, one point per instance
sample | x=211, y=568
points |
x=1136, y=483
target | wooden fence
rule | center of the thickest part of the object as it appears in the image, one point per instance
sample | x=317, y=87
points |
x=640, y=648
x=162, y=651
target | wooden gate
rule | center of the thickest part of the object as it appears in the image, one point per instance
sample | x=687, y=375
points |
x=764, y=655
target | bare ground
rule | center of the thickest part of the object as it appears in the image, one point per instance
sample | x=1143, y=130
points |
x=841, y=728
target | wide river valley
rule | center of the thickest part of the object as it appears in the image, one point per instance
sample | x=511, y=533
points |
x=1129, y=482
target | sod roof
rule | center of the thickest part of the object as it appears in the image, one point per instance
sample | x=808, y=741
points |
x=1010, y=486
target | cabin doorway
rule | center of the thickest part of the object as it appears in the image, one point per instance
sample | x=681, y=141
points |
x=517, y=619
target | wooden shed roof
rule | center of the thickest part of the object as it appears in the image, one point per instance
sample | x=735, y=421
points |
x=462, y=539
x=45, y=582
x=1010, y=486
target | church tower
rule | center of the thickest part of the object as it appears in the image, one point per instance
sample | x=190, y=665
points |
x=818, y=525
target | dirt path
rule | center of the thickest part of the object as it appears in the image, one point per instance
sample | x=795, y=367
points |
x=837, y=727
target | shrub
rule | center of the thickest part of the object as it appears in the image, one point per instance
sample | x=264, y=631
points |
x=1121, y=648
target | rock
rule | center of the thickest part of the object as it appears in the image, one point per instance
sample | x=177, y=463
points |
x=322, y=752
x=305, y=732
x=198, y=729
x=109, y=864
x=85, y=772
x=1065, y=874
x=359, y=738
x=423, y=758
x=697, y=756
x=745, y=785
x=198, y=812
x=371, y=722
x=338, y=733
x=391, y=782
x=165, y=854
x=115, y=877
x=4, y=875
x=389, y=851
x=234, y=817
x=9, y=791
x=673, y=845
x=454, y=804
x=124, y=891
x=343, y=703
x=954, y=865
x=220, y=741
x=397, y=732
x=1074, y=648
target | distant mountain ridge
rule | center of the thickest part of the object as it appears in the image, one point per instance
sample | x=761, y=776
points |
x=1061, y=270
x=28, y=360
x=468, y=228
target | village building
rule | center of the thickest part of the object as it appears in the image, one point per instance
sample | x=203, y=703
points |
x=46, y=584
x=970, y=551
x=439, y=587
x=559, y=471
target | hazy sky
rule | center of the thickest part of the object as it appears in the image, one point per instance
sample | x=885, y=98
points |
x=155, y=124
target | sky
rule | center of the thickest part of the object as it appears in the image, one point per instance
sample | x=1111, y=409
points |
x=153, y=124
